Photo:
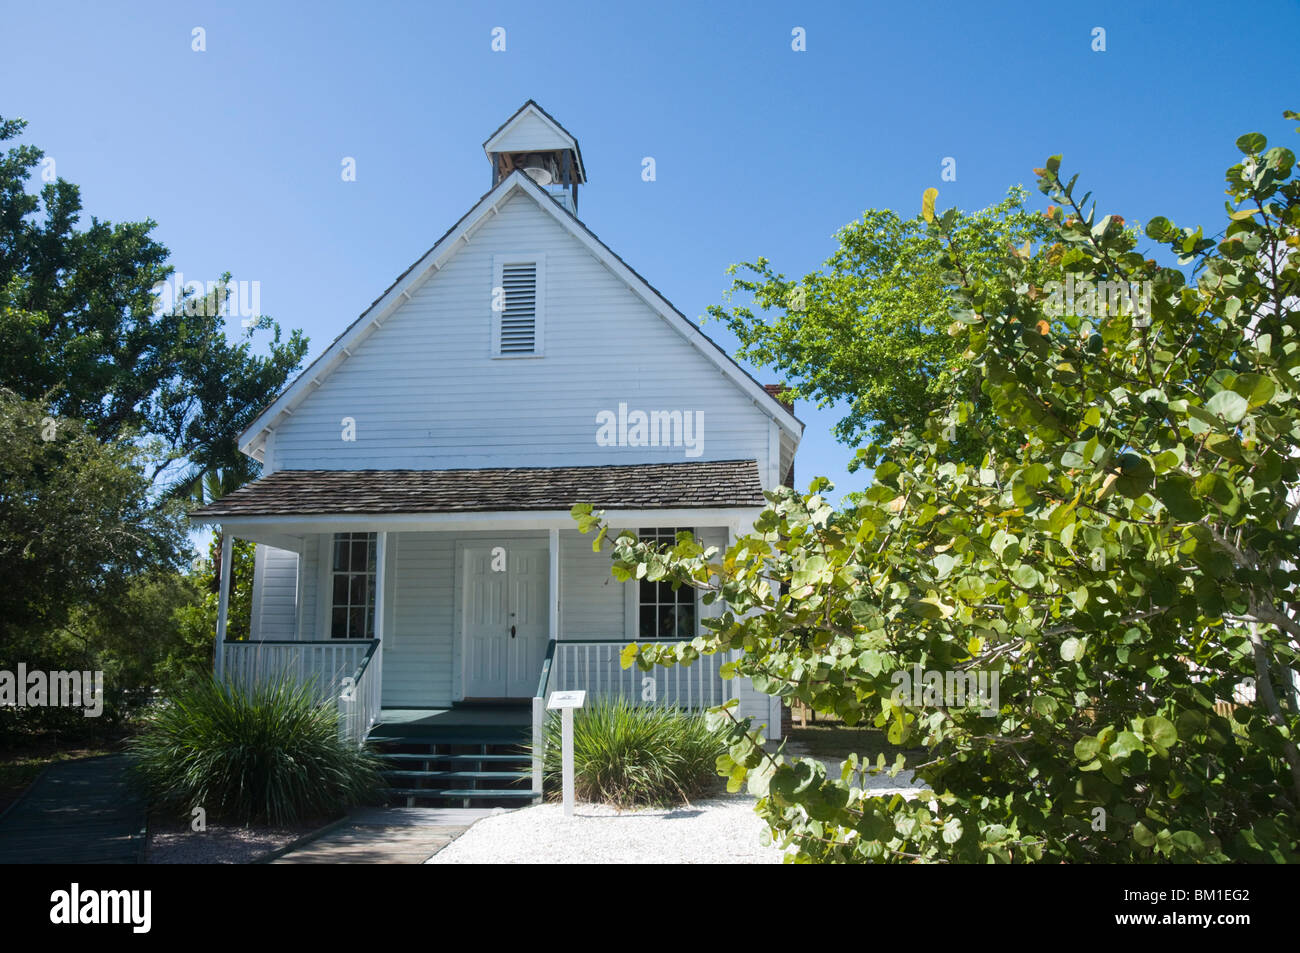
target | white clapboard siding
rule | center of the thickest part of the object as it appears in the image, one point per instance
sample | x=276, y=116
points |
x=591, y=599
x=426, y=393
x=530, y=132
x=418, y=655
x=275, y=593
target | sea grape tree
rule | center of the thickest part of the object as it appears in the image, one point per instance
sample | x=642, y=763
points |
x=1119, y=564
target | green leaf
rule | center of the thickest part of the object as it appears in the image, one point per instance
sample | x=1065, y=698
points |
x=1190, y=842
x=1160, y=730
x=970, y=588
x=1229, y=405
x=1135, y=476
x=1175, y=492
x=1124, y=745
x=943, y=564
x=1025, y=576
x=1142, y=834
x=1256, y=388
x=1252, y=143
x=864, y=613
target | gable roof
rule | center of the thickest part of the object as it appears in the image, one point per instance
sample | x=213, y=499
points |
x=638, y=486
x=563, y=138
x=253, y=439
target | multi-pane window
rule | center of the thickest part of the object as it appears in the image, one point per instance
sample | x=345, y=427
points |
x=352, y=613
x=665, y=614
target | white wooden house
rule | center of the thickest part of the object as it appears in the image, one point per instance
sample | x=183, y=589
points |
x=415, y=552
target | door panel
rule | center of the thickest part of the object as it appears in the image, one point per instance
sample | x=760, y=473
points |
x=484, y=595
x=499, y=663
x=529, y=583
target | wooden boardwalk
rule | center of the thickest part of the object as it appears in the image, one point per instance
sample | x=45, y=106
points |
x=387, y=836
x=77, y=812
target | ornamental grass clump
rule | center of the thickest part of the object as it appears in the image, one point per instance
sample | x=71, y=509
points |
x=270, y=754
x=630, y=756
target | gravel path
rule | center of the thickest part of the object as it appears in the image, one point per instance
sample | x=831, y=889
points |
x=173, y=842
x=721, y=831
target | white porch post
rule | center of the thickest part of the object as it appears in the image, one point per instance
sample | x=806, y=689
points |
x=555, y=584
x=553, y=629
x=381, y=576
x=223, y=604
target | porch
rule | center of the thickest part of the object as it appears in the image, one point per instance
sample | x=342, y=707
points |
x=441, y=635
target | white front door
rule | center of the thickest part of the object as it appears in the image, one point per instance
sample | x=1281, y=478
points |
x=505, y=619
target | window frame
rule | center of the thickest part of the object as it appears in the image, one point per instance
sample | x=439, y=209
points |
x=632, y=602
x=328, y=573
x=499, y=263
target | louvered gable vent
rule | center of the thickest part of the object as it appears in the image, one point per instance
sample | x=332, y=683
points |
x=519, y=318
x=518, y=327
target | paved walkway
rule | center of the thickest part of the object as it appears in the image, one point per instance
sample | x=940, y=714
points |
x=77, y=812
x=398, y=835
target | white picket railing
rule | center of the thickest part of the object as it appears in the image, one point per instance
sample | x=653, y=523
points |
x=359, y=703
x=323, y=666
x=595, y=667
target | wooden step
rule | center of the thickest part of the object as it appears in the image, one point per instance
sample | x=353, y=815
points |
x=466, y=775
x=408, y=756
x=460, y=738
x=519, y=793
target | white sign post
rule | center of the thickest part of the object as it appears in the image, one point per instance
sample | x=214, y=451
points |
x=566, y=702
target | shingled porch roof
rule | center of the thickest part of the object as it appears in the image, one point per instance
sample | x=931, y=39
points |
x=646, y=486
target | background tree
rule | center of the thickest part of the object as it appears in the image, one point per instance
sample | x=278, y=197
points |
x=78, y=524
x=112, y=408
x=1124, y=568
x=868, y=329
x=83, y=331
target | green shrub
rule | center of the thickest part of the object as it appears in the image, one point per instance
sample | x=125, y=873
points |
x=270, y=754
x=633, y=756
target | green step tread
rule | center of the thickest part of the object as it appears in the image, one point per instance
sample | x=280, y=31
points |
x=466, y=739
x=462, y=793
x=475, y=775
x=408, y=756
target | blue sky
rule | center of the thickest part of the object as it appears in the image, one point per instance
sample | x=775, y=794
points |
x=760, y=150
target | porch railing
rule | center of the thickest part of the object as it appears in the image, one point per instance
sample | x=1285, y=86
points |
x=324, y=666
x=594, y=665
x=539, y=716
x=359, y=701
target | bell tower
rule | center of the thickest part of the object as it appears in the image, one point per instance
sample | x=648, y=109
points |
x=532, y=142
